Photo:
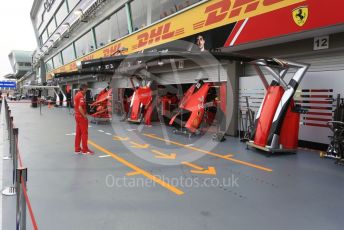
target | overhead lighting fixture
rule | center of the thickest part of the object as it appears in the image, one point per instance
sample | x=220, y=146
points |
x=160, y=62
x=55, y=44
x=80, y=14
x=66, y=24
x=65, y=33
x=57, y=35
x=51, y=44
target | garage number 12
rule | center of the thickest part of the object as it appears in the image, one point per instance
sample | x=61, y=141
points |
x=321, y=43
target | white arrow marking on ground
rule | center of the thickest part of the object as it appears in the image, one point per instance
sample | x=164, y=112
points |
x=99, y=130
x=108, y=134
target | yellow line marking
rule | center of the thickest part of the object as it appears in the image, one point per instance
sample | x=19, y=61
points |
x=139, y=146
x=170, y=156
x=138, y=170
x=209, y=171
x=192, y=165
x=322, y=154
x=210, y=153
x=133, y=173
x=228, y=156
x=119, y=138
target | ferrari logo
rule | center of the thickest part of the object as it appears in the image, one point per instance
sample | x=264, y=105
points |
x=300, y=15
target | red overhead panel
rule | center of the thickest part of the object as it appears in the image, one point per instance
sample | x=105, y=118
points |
x=300, y=17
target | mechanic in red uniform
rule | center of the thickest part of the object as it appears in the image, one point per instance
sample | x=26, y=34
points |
x=81, y=122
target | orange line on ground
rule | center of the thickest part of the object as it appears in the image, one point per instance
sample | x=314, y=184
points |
x=192, y=165
x=137, y=169
x=210, y=153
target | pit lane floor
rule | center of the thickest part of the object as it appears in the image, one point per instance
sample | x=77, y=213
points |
x=149, y=178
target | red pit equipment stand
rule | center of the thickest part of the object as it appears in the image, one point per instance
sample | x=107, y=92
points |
x=101, y=107
x=276, y=126
x=141, y=104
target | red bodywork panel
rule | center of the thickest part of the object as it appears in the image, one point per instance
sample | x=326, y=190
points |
x=103, y=104
x=193, y=102
x=271, y=100
x=126, y=104
x=167, y=103
x=290, y=129
x=187, y=96
x=223, y=97
x=135, y=106
x=184, y=100
x=145, y=95
x=141, y=98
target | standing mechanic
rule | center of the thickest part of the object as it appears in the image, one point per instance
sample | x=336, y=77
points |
x=81, y=122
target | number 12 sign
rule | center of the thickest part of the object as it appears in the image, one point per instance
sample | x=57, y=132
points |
x=321, y=43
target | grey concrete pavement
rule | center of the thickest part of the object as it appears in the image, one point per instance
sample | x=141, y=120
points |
x=69, y=191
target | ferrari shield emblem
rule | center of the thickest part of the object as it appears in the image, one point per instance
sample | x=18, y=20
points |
x=300, y=15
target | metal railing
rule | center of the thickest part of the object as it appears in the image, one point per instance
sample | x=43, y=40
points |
x=18, y=187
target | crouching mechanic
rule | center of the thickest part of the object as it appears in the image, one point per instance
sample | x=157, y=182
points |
x=81, y=122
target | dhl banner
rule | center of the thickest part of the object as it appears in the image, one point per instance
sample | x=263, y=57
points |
x=242, y=21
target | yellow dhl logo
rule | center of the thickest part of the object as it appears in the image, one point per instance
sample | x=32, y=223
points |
x=204, y=17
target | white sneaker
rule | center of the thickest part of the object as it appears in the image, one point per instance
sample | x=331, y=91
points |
x=89, y=152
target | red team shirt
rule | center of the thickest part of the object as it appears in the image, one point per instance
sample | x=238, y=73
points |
x=79, y=100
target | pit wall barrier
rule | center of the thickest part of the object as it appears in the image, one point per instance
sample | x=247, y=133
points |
x=18, y=187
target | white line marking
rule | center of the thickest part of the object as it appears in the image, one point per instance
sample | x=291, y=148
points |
x=90, y=126
x=239, y=32
x=70, y=134
x=99, y=130
x=130, y=130
x=108, y=134
x=104, y=156
x=190, y=145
